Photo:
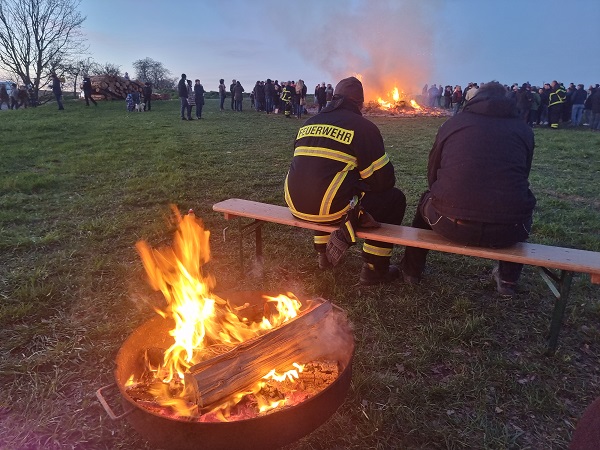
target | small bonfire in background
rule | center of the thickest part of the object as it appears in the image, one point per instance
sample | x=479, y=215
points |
x=230, y=362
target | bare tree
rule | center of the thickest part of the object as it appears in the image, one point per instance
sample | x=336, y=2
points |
x=36, y=35
x=79, y=67
x=153, y=71
x=109, y=69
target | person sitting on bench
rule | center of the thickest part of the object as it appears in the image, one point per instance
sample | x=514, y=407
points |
x=340, y=156
x=478, y=183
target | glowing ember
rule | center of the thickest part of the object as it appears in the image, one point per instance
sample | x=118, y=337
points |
x=205, y=326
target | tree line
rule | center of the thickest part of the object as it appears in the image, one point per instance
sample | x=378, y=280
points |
x=41, y=37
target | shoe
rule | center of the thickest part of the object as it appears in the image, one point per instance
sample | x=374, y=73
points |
x=324, y=263
x=370, y=276
x=183, y=118
x=504, y=288
x=410, y=279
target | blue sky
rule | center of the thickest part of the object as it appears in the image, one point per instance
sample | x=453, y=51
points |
x=405, y=43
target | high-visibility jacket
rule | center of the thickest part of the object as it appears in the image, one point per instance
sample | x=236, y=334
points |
x=337, y=154
x=558, y=95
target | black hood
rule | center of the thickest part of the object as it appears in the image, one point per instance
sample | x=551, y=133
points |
x=492, y=106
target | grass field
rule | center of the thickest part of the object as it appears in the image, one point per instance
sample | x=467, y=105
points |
x=446, y=364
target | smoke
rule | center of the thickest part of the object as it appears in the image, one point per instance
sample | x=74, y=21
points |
x=385, y=43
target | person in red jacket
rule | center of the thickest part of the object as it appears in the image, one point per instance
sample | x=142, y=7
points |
x=478, y=176
x=339, y=160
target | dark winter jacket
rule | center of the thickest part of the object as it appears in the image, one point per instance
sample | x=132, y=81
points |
x=87, y=85
x=199, y=94
x=480, y=162
x=579, y=96
x=182, y=90
x=337, y=154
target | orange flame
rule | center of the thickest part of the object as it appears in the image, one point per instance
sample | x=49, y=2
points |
x=204, y=323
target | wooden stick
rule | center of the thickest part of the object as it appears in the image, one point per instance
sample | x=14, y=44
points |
x=214, y=380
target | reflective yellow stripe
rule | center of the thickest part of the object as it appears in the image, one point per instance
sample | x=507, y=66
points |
x=323, y=152
x=319, y=218
x=331, y=191
x=375, y=165
x=321, y=239
x=351, y=231
x=288, y=197
x=377, y=251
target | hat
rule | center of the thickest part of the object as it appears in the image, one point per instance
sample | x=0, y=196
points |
x=350, y=88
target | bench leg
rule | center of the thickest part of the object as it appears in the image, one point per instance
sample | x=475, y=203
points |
x=244, y=230
x=562, y=295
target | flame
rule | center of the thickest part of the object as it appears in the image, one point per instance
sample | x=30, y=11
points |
x=205, y=324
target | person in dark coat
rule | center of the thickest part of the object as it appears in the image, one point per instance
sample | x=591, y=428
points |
x=199, y=98
x=147, y=91
x=478, y=183
x=87, y=91
x=238, y=95
x=321, y=94
x=182, y=91
x=57, y=90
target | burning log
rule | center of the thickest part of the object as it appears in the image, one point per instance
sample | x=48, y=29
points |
x=304, y=338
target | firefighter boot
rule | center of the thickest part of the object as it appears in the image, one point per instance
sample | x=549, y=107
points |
x=370, y=274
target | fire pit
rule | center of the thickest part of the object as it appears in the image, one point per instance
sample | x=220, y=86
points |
x=280, y=427
x=203, y=374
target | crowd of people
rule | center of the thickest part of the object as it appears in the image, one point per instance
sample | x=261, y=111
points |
x=274, y=97
x=546, y=105
x=19, y=97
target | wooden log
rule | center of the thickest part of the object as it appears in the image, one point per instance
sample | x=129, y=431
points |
x=299, y=340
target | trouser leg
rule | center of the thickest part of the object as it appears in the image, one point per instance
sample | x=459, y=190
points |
x=385, y=207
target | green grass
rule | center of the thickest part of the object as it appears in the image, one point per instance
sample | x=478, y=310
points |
x=447, y=364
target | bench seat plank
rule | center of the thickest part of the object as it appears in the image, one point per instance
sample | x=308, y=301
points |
x=569, y=259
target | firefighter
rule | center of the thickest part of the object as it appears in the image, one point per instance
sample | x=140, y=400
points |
x=286, y=98
x=556, y=100
x=340, y=173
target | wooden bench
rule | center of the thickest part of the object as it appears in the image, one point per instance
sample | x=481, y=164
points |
x=566, y=261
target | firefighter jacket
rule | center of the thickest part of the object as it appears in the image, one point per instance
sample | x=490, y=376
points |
x=337, y=154
x=557, y=95
x=286, y=94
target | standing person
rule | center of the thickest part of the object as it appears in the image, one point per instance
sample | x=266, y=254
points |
x=286, y=99
x=4, y=97
x=578, y=100
x=57, y=90
x=339, y=157
x=328, y=94
x=231, y=91
x=191, y=99
x=544, y=97
x=457, y=99
x=301, y=96
x=222, y=94
x=199, y=98
x=238, y=94
x=321, y=96
x=87, y=91
x=595, y=104
x=269, y=94
x=478, y=183
x=524, y=101
x=534, y=109
x=182, y=91
x=14, y=96
x=147, y=90
x=556, y=98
